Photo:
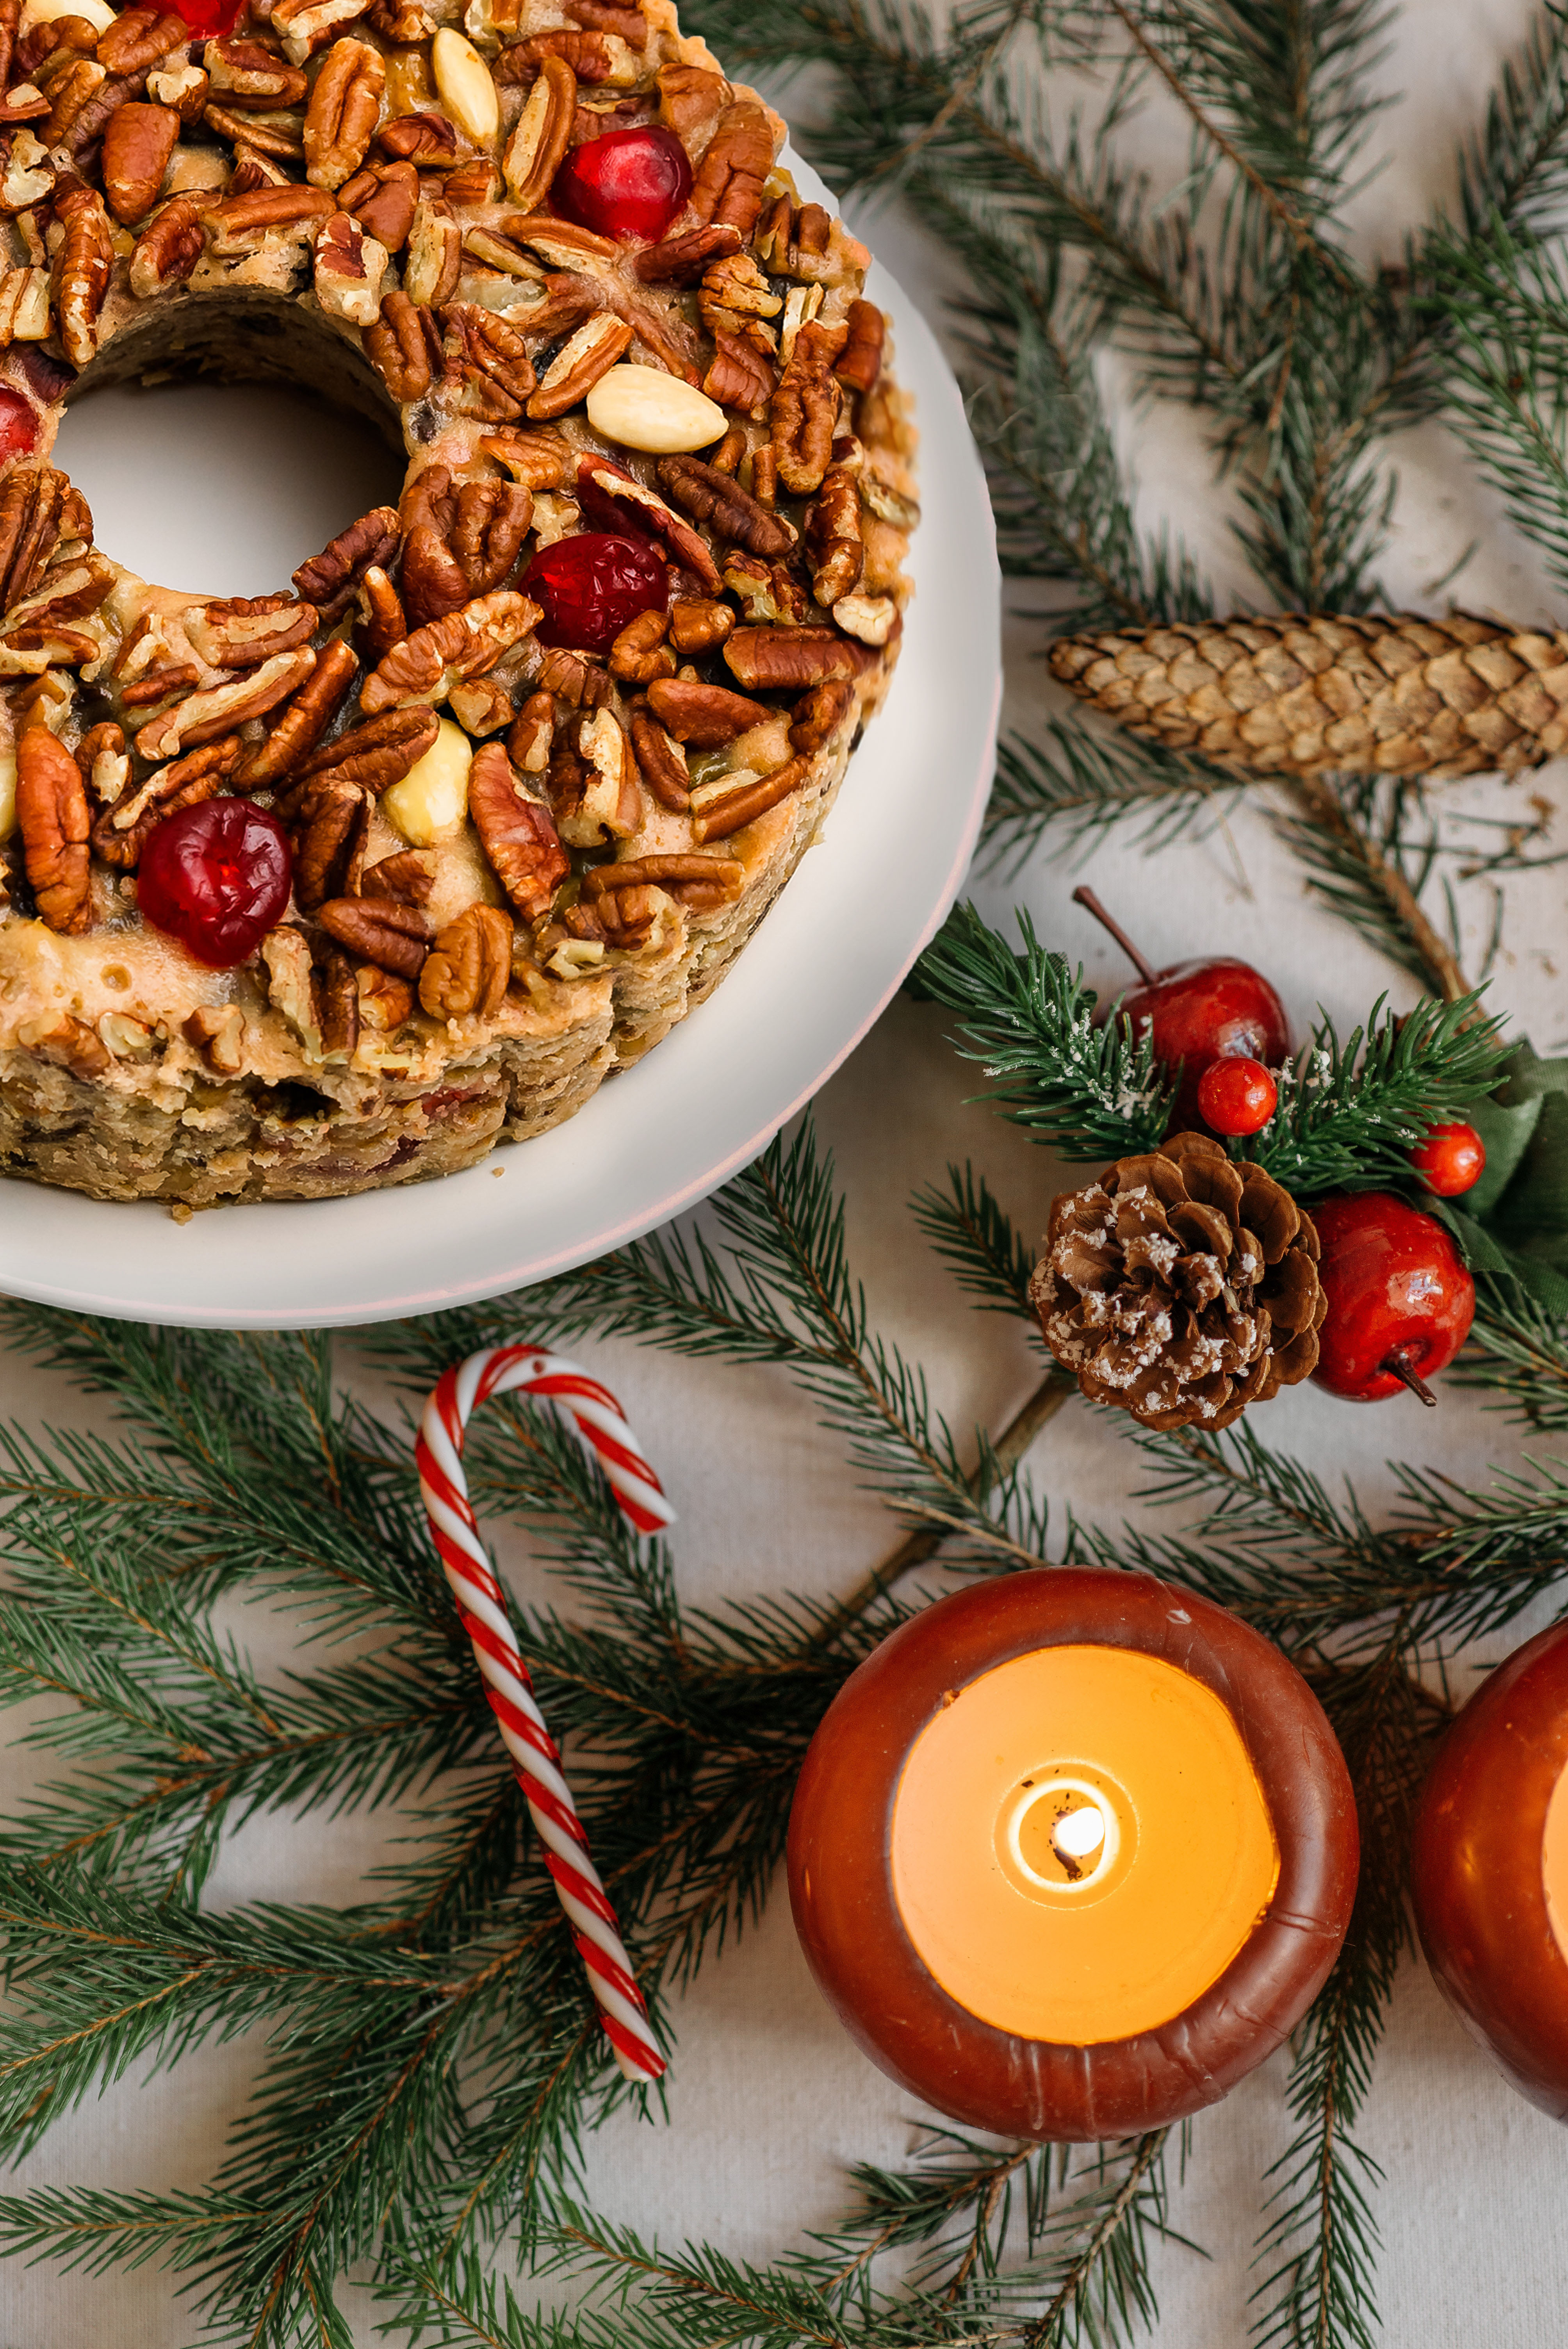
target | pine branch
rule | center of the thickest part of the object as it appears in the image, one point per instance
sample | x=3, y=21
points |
x=1359, y=870
x=1069, y=788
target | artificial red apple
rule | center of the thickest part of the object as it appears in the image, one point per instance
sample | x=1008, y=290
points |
x=1400, y=1303
x=1213, y=1008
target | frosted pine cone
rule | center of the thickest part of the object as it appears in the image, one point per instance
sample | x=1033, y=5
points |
x=1181, y=1287
x=1299, y=696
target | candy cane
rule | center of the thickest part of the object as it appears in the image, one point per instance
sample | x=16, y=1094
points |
x=595, y=1417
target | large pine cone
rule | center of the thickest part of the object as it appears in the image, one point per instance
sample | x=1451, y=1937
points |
x=1181, y=1287
x=1297, y=697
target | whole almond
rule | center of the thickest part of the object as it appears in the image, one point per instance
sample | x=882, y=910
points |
x=644, y=408
x=138, y=143
x=464, y=86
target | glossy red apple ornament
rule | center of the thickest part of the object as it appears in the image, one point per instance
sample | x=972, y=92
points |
x=1213, y=1008
x=629, y=184
x=1400, y=1303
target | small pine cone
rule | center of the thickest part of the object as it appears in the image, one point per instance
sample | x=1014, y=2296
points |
x=1181, y=1287
x=1302, y=697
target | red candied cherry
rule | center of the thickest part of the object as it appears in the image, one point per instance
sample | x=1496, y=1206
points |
x=216, y=877
x=1236, y=1097
x=18, y=424
x=215, y=18
x=592, y=586
x=630, y=183
x=1452, y=1157
x=1400, y=1303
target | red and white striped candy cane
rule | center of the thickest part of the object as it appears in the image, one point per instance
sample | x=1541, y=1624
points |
x=596, y=1417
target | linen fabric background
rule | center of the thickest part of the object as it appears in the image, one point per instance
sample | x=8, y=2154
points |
x=769, y=2101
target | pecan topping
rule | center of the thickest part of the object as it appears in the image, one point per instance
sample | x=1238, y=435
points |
x=23, y=305
x=183, y=87
x=334, y=821
x=39, y=510
x=100, y=755
x=168, y=249
x=681, y=259
x=382, y=624
x=859, y=364
x=406, y=876
x=690, y=100
x=260, y=135
x=722, y=807
x=301, y=726
x=792, y=240
x=435, y=260
x=599, y=784
x=698, y=626
x=137, y=38
x=238, y=222
x=661, y=762
x=466, y=643
x=66, y=1040
x=377, y=929
x=82, y=268
x=350, y=267
x=218, y=1032
x=735, y=294
x=707, y=716
x=122, y=831
x=374, y=756
x=491, y=358
x=531, y=734
x=834, y=547
x=201, y=717
x=517, y=832
x=461, y=542
x=639, y=653
x=243, y=631
x=432, y=580
x=425, y=138
x=706, y=878
x=817, y=715
x=254, y=79
x=871, y=619
x=138, y=142
x=305, y=24
x=475, y=181
x=342, y=115
x=628, y=24
x=614, y=498
x=330, y=578
x=738, y=377
x=383, y=198
x=537, y=148
x=588, y=55
x=384, y=1001
x=791, y=658
x=729, y=185
x=403, y=346
x=540, y=461
x=560, y=242
x=339, y=1006
x=577, y=367
x=291, y=985
x=467, y=970
x=804, y=411
x=52, y=814
x=714, y=498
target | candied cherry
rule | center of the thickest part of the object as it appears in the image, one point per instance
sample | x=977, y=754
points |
x=216, y=877
x=1237, y=1096
x=215, y=18
x=1452, y=1157
x=592, y=586
x=629, y=184
x=18, y=424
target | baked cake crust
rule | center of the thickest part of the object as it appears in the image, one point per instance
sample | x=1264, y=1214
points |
x=515, y=867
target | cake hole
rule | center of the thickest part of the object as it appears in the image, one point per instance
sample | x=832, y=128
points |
x=222, y=489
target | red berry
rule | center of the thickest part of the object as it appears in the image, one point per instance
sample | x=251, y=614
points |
x=630, y=183
x=592, y=586
x=216, y=877
x=18, y=424
x=1400, y=1303
x=212, y=18
x=1451, y=1158
x=1237, y=1096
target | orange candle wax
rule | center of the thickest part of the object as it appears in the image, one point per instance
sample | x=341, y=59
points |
x=1071, y=1852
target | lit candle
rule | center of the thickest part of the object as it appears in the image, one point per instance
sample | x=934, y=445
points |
x=1491, y=1868
x=1072, y=1852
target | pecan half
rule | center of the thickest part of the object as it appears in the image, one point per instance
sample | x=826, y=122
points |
x=466, y=643
x=475, y=181
x=138, y=142
x=350, y=267
x=305, y=24
x=703, y=877
x=69, y=1042
x=295, y=732
x=341, y=117
x=517, y=832
x=377, y=929
x=531, y=733
x=819, y=714
x=39, y=509
x=490, y=356
x=339, y=1006
x=328, y=580
x=834, y=547
x=100, y=755
x=602, y=791
x=859, y=364
x=537, y=148
x=589, y=54
x=639, y=653
x=871, y=619
x=707, y=716
x=714, y=498
x=791, y=658
x=291, y=987
x=168, y=249
x=275, y=136
x=237, y=222
x=572, y=677
x=728, y=184
x=690, y=100
x=382, y=623
x=698, y=625
x=183, y=87
x=332, y=822
x=431, y=579
x=383, y=198
x=377, y=754
x=403, y=346
x=733, y=293
x=407, y=875
x=628, y=25
x=201, y=717
x=560, y=242
x=122, y=829
x=577, y=367
x=792, y=240
x=423, y=138
x=434, y=261
x=738, y=375
x=218, y=1032
x=803, y=412
x=614, y=498
x=681, y=259
x=468, y=968
x=467, y=545
x=246, y=75
x=137, y=38
x=540, y=461
x=23, y=305
x=384, y=1001
x=243, y=631
x=661, y=760
x=721, y=808
x=82, y=268
x=52, y=814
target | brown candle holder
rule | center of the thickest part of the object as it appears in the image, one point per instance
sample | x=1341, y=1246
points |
x=1490, y=1868
x=1004, y=1804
